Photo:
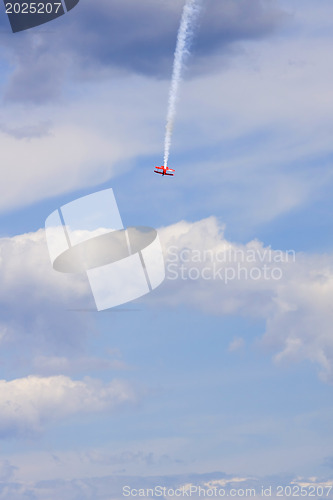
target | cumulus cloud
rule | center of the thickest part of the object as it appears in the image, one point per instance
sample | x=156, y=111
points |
x=291, y=291
x=28, y=404
x=35, y=301
x=204, y=269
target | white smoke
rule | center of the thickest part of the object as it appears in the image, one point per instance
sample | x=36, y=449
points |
x=190, y=14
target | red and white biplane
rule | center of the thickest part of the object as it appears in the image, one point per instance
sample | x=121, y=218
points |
x=164, y=170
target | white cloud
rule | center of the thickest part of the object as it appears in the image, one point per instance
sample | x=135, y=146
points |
x=84, y=143
x=223, y=482
x=36, y=301
x=291, y=292
x=265, y=109
x=27, y=404
x=263, y=122
x=198, y=250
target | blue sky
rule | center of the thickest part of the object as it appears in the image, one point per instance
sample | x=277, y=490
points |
x=200, y=380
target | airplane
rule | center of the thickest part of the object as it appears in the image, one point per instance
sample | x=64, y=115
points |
x=165, y=170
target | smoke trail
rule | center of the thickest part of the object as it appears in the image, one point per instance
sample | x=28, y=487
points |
x=190, y=13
